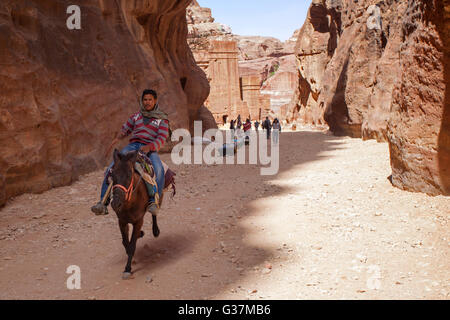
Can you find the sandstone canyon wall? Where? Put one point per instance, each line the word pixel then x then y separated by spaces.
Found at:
pixel 241 91
pixel 281 85
pixel 65 92
pixel 254 47
pixel 419 124
pixel 225 98
pixel 344 51
pixel 379 70
pixel 216 52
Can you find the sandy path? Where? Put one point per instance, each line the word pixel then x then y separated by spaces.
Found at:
pixel 328 226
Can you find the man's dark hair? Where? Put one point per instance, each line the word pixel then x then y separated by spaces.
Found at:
pixel 149 91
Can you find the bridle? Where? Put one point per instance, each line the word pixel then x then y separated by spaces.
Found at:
pixel 128 191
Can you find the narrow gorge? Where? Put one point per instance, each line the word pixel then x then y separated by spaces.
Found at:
pixel 358 206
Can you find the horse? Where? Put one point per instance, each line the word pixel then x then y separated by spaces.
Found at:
pixel 130 199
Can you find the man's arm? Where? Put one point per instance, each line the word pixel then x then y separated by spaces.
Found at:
pixel 119 136
pixel 163 133
pixel 127 128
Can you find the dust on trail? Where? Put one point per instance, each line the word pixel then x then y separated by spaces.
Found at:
pixel 328 226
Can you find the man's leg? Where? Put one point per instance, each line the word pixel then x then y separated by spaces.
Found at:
pixel 105 184
pixel 159 171
pixel 100 208
pixel 131 147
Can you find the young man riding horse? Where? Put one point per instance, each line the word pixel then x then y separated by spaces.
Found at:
pixel 149 129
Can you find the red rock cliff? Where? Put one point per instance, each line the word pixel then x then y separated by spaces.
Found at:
pixel 379 69
pixel 64 92
pixel 344 50
pixel 419 124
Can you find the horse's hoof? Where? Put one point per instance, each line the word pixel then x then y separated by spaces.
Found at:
pixel 127 276
pixel 155 232
pixel 142 234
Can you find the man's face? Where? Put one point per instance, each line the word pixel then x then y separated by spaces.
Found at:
pixel 149 102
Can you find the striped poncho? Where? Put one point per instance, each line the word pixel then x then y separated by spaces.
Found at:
pixel 149 131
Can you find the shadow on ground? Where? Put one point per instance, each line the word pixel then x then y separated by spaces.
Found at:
pixel 203 248
pixel 231 193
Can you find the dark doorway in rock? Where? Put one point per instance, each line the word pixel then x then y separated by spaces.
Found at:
pixel 224 118
pixel 183 82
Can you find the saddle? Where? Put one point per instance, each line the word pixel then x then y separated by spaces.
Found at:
pixel 144 167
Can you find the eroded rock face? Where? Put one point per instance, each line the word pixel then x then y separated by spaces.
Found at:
pixel 254 47
pixel 258 104
pixel 317 41
pixel 202 28
pixel 281 85
pixel 195 14
pixel 289 44
pixel 278 78
pixel 224 100
pixel 379 69
pixel 237 91
pixel 419 125
pixel 344 50
pixel 216 52
pixel 65 92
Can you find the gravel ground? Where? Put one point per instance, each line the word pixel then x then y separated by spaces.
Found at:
pixel 329 225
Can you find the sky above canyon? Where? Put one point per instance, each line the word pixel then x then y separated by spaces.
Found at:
pixel 270 18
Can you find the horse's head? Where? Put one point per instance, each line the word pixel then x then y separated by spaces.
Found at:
pixel 122 176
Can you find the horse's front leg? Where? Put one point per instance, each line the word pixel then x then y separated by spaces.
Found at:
pixel 132 247
pixel 124 231
pixel 155 228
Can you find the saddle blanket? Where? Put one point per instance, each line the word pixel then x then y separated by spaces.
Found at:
pixel 145 166
pixel 169 176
